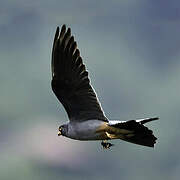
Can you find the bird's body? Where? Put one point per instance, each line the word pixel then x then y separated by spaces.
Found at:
pixel 98 130
pixel 87 130
pixel 71 85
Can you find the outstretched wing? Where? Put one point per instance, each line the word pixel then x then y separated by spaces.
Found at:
pixel 70 81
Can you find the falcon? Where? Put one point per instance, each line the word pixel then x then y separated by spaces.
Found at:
pixel 72 87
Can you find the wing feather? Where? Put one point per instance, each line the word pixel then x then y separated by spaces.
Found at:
pixel 70 81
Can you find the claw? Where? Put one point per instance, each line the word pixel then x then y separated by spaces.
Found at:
pixel 106 145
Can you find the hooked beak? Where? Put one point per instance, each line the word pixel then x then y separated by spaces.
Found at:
pixel 59 132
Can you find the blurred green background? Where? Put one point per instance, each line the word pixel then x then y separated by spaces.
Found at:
pixel 131 49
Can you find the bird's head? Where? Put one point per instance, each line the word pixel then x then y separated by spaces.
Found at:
pixel 63 130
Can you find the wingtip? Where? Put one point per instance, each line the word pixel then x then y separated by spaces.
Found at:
pixel 69 30
pixel 63 30
pixel 57 29
pixel 57 33
pixel 64 26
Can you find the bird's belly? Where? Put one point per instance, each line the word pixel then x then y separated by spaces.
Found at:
pixel 88 137
pixel 87 130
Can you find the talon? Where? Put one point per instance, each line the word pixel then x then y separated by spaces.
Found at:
pixel 106 145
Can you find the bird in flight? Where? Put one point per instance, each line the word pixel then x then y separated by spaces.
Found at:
pixel 87 121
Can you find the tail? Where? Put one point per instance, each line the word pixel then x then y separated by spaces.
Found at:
pixel 146 120
pixel 135 132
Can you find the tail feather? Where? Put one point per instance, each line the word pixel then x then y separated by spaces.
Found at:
pixel 139 134
pixel 146 120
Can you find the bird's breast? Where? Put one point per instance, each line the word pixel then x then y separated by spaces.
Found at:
pixel 87 130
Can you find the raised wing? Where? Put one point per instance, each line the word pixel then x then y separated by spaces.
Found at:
pixel 70 81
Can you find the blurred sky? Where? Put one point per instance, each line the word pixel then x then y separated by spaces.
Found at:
pixel 132 51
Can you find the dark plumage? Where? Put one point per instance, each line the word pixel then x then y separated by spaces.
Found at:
pixel 70 80
pixel 71 85
pixel 141 134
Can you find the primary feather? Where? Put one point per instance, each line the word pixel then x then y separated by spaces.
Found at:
pixel 70 81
